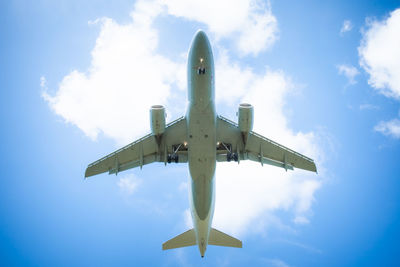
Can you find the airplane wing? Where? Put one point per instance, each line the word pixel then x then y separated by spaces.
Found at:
pixel 170 148
pixel 257 148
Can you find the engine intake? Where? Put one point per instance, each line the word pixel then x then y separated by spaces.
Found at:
pixel 245 119
pixel 157 120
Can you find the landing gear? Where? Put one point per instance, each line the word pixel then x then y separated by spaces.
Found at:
pixel 172 158
pixel 231 156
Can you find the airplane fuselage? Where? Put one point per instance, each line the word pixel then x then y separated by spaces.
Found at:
pixel 201 120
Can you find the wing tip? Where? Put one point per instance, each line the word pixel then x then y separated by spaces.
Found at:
pixel 87 174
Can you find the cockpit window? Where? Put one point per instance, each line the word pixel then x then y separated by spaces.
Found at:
pixel 201 70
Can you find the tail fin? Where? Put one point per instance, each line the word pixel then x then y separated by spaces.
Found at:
pixel 186 239
pixel 218 238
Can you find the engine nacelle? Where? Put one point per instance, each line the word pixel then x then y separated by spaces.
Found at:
pixel 157 120
pixel 245 118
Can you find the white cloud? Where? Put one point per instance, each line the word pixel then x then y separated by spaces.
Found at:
pixel 349 71
pixel 250 23
pixel 389 128
pixel 127 76
pixel 380 54
pixel 346 27
pixel 128 184
pixel 247 191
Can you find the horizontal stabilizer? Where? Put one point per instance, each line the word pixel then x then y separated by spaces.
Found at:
pixel 218 238
pixel 186 239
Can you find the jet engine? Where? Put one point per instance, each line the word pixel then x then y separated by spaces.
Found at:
pixel 157 120
pixel 245 117
pixel 245 120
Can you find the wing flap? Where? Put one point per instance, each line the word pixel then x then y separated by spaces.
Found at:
pixel 259 148
pixel 128 155
pixel 264 160
pixel 268 149
pixel 143 151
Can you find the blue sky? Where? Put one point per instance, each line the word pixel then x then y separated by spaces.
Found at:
pixel 77 80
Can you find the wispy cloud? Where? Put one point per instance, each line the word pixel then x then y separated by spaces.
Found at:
pixel 301 220
pixel 277 263
pixel 307 248
pixel 128 184
pixel 44 90
pixel 346 27
pixel 389 128
pixel 43 82
pixel 350 72
pixel 181 257
pixel 368 107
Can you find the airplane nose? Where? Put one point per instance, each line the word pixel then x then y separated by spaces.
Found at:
pixel 200 34
pixel 200 55
pixel 200 38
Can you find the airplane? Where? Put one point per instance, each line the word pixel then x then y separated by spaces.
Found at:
pixel 201 138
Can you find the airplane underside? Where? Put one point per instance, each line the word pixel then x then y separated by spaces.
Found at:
pixel 201 138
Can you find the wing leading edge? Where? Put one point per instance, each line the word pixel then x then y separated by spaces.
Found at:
pixel 257 148
pixel 145 150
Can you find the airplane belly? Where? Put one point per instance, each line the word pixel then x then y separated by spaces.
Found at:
pixel 202 192
pixel 202 160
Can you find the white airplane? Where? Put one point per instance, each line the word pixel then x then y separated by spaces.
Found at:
pixel 201 138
